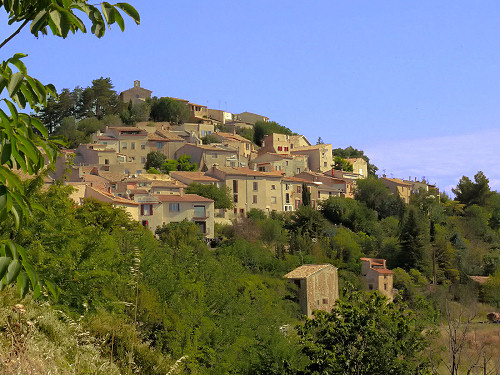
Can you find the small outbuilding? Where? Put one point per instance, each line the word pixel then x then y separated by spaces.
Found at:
pixel 377 276
pixel 318 287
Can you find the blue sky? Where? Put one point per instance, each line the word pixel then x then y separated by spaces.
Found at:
pixel 414 84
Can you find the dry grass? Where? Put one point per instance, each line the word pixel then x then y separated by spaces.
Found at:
pixel 478 342
pixel 49 346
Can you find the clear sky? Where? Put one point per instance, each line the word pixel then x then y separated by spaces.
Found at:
pixel 413 84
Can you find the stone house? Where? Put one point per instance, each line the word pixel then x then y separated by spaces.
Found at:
pixel 250 189
pixel 398 187
pixel 290 165
pixel 319 156
pixel 250 118
pixel 359 166
pixel 207 155
pixel 328 186
pixel 377 276
pixel 243 145
pixel 318 287
pixel 156 210
pixel 136 94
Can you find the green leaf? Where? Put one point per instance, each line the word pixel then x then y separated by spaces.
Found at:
pixel 130 10
pixel 15 82
pixel 39 23
pixel 13 271
pixel 37 291
pixel 30 271
pixel 22 284
pixel 52 287
pixel 119 19
pixel 4 264
pixel 108 12
pixel 5 153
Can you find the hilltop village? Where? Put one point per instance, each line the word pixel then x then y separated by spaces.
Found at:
pixel 269 177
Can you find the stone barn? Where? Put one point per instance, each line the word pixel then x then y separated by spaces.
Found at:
pixel 318 287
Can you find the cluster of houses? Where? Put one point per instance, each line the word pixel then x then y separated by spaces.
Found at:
pixel 268 178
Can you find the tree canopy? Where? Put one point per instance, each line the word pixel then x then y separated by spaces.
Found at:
pixel 169 109
pixel 263 128
pixel 220 195
pixel 477 192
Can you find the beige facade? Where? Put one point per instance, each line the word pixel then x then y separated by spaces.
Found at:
pixel 199 129
pixel 292 192
pixel 377 276
pixel 359 166
pixel 250 118
pixel 318 287
pixel 156 210
pixel 128 205
pixel 207 155
pixel 136 94
pixel 276 143
pixel 398 187
pixel 328 186
pixel 250 189
pixel 290 165
pixel 243 145
pixel 222 117
pixel 319 156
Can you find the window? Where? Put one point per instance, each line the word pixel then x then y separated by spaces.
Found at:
pixel 385 286
pixel 143 146
pixel 297 204
pixel 325 301
pixel 273 200
pixel 235 198
pixel 106 161
pixel 113 186
pixel 235 186
pixel 146 209
pixel 124 145
pixel 298 170
pixel 145 223
pixel 262 169
pixel 199 211
pixel 255 186
pixel 242 212
pixel 299 189
pixel 132 145
pixel 370 286
pixel 286 148
pixel 273 187
pixel 325 164
pixel 287 187
pixel 235 211
pixel 143 159
pixel 286 163
pixel 247 146
pixel 287 198
pixel 202 225
pixel 159 145
pixel 280 148
pixel 214 154
pixel 254 200
pixel 174 207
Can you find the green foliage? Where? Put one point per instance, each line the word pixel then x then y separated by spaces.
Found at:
pixel 135 113
pixel 341 164
pixel 306 195
pixel 169 109
pixel 263 128
pixel 155 159
pixel 306 221
pixel 220 195
pixel 350 213
pixel 491 290
pixel 256 214
pixel 469 193
pixel 351 152
pixel 377 197
pixel 209 138
pixel 364 334
pixel 414 242
pixel 23 139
